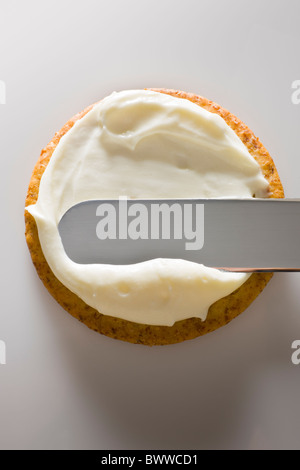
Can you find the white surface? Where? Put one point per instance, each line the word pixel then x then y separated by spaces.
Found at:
pixel 66 387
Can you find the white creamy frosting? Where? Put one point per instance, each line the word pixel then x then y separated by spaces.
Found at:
pixel 144 144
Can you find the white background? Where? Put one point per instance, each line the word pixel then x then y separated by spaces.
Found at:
pixel 64 386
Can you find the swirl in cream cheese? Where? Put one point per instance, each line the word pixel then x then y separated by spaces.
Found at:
pixel 144 144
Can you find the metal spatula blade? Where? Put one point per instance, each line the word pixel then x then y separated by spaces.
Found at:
pixel 245 235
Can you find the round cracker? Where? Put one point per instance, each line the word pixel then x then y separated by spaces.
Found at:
pixel 219 314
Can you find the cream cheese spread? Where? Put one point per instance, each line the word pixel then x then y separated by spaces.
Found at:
pixel 144 144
